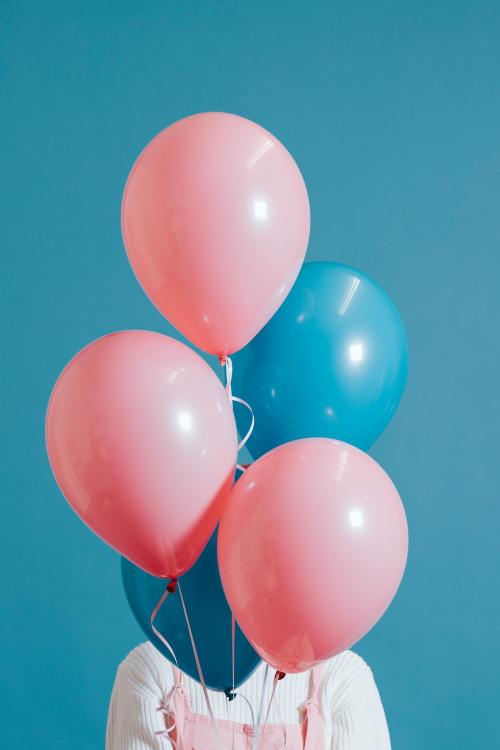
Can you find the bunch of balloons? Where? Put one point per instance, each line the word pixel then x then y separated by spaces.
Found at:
pixel 142 439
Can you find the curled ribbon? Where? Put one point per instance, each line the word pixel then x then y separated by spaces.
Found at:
pixel 227 363
pixel 165 706
pixel 169 589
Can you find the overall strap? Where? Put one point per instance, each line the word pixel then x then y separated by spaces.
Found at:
pixel 179 695
pixel 178 706
pixel 177 675
pixel 315 736
pixel 317 674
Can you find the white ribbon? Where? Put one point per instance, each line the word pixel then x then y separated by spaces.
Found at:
pixel 227 363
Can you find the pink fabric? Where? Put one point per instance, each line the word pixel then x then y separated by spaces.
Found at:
pixel 195 732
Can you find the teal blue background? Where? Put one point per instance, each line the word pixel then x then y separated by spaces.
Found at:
pixel 392 111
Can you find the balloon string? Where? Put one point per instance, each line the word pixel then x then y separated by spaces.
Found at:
pixel 165 706
pixel 277 677
pixel 227 363
pixel 261 706
pixel 200 671
pixel 231 694
pixel 244 698
pixel 280 719
pixel 169 589
pixel 233 648
pixel 253 725
pixel 228 719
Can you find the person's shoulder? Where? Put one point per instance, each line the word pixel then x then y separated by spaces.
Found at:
pixel 346 676
pixel 145 670
pixel 348 664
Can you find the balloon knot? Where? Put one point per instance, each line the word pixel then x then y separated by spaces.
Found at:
pixel 172 586
pixel 222 359
pixel 230 694
pixel 279 675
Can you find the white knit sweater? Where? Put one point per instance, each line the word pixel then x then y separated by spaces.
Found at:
pixel 350 702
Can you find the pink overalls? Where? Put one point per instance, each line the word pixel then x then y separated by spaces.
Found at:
pixel 195 731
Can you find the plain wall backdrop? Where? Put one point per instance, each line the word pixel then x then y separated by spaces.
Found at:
pixel 392 111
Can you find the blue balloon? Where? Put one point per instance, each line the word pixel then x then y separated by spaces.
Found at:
pixel 332 362
pixel 209 615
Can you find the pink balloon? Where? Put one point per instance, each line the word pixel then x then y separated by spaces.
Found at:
pixel 312 548
pixel 142 442
pixel 215 219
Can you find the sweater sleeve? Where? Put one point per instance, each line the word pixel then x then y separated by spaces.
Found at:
pixel 355 709
pixel 141 684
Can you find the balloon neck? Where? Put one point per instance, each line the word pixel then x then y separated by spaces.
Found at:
pixel 222 359
pixel 172 586
pixel 279 675
pixel 230 694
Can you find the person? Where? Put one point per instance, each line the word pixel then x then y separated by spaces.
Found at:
pixel 334 706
